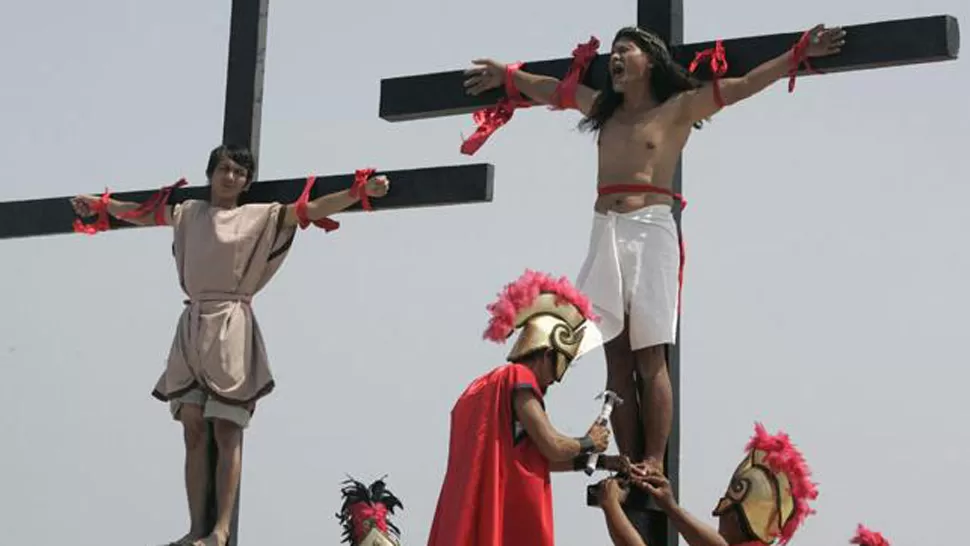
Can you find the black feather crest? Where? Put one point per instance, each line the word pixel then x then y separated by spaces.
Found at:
pixel 354 491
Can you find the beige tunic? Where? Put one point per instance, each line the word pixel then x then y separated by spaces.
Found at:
pixel 223 257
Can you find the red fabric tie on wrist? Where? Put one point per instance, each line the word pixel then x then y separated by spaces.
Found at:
pixel 156 203
pixel 718 64
pixel 490 119
pixel 510 89
pixel 565 95
pixel 799 55
pixel 359 187
pixel 102 223
pixel 300 208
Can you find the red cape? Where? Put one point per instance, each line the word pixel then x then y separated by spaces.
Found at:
pixel 496 491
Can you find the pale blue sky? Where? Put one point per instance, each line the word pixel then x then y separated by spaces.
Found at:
pixel 825 293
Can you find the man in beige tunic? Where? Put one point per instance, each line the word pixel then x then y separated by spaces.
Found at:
pixel 217 366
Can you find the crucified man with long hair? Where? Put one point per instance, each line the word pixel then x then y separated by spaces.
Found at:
pixel 634 266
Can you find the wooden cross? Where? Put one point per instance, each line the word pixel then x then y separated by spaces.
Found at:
pixel 870 45
pixel 435 186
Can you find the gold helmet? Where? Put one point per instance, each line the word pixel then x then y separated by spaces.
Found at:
pixel 552 314
pixel 364 514
pixel 770 489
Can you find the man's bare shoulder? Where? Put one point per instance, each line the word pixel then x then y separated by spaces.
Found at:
pixel 676 105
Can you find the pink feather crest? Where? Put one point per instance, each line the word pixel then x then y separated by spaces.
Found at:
pixel 867 537
pixel 520 294
pixel 782 456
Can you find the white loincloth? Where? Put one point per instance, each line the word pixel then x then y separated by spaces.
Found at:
pixel 633 268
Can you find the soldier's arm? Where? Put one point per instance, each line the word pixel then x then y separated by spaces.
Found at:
pixel 694 531
pixel 622 532
pixel 557 448
pixel 612 463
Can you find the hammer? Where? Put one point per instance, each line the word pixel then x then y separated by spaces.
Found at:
pixel 610 400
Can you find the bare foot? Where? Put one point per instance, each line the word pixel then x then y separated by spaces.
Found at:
pixel 217 538
pixel 654 466
pixel 186 540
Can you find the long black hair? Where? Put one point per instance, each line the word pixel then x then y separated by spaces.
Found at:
pixel 667 78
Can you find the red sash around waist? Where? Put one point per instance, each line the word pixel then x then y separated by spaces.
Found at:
pixel 640 188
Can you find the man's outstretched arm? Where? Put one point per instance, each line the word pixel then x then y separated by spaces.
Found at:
pixel 85 205
pixel 611 463
pixel 332 203
pixel 489 74
pixel 559 449
pixel 702 103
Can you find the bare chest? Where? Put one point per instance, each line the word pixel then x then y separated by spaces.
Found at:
pixel 642 137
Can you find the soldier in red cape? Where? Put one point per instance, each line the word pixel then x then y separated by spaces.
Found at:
pixel 496 490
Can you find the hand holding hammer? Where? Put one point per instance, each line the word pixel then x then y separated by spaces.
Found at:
pixel 610 400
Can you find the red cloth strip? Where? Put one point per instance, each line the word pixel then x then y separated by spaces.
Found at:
pixel 490 119
pixel 156 203
pixel 640 188
pixel 359 188
pixel 102 223
pixel 649 188
pixel 565 95
pixel 511 91
pixel 718 64
pixel 798 56
pixel 300 208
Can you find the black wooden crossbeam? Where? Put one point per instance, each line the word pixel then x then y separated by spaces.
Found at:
pixel 871 45
pixel 424 187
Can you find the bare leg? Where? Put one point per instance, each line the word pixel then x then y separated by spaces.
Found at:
pixel 194 432
pixel 620 378
pixel 657 403
pixel 228 470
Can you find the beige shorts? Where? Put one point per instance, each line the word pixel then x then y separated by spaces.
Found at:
pixel 212 408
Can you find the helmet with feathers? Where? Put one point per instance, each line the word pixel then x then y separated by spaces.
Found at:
pixel 551 314
pixel 364 514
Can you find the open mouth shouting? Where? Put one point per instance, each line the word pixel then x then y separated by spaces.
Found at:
pixel 617 70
